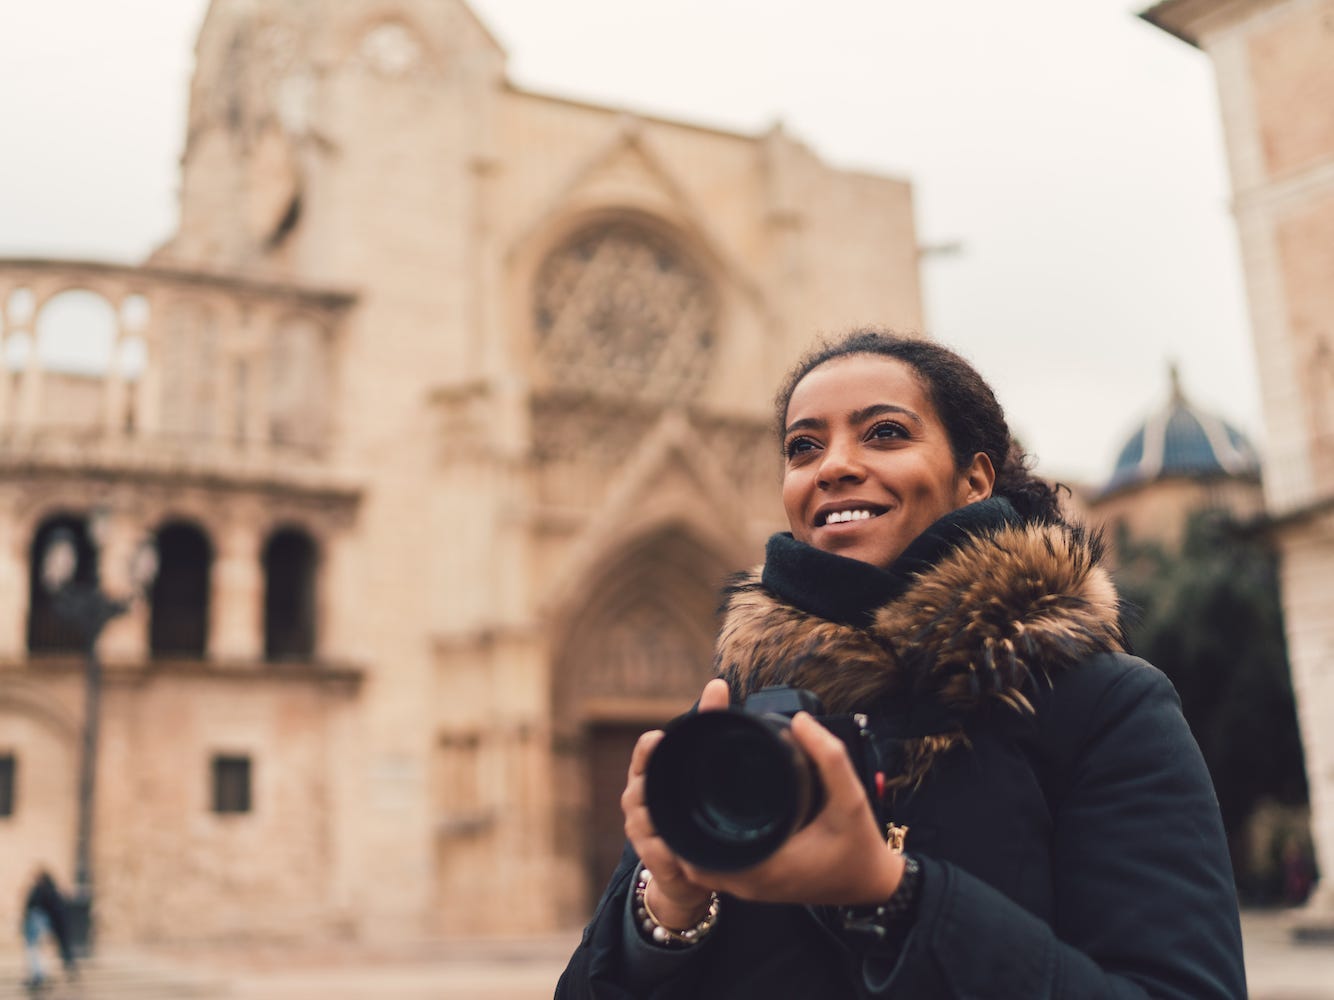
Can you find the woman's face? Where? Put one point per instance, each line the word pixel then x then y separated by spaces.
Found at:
pixel 868 462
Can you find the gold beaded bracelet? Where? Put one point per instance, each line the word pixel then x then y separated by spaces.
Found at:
pixel 658 932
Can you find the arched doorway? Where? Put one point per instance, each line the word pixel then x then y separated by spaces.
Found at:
pixel 47 631
pixel 179 602
pixel 289 596
pixel 634 655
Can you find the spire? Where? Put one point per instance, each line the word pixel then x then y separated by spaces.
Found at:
pixel 1178 397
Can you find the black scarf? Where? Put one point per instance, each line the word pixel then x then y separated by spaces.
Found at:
pixel 849 592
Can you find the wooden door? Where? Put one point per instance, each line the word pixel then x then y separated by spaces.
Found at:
pixel 609 746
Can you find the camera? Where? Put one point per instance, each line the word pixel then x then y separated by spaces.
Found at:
pixel 726 789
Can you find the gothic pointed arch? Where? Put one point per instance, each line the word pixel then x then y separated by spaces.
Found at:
pixel 635 651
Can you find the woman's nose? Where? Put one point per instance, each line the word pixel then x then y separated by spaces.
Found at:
pixel 840 463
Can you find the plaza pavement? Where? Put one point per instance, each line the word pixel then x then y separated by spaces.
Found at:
pixel 1278 968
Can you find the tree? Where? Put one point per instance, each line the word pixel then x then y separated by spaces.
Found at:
pixel 1208 615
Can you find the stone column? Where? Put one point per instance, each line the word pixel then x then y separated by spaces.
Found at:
pixel 115 387
pixel 236 632
pixel 125 640
pixel 147 387
pixel 30 381
pixel 14 555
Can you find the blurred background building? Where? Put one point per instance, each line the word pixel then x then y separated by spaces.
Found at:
pixel 1182 510
pixel 447 409
pixel 1274 61
pixel 1179 461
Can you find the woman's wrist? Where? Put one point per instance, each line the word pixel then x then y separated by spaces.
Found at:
pixel 886 877
pixel 663 929
pixel 897 912
pixel 674 913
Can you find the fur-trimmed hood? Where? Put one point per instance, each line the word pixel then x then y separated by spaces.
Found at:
pixel 997 612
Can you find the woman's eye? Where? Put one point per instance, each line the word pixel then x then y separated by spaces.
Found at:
pixel 798 446
pixel 888 430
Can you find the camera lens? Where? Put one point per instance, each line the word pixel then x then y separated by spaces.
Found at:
pixel 738 797
pixel 726 789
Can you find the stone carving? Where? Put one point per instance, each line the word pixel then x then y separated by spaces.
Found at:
pixel 190 360
pixel 748 452
pixel 621 311
pixel 298 384
pixel 578 443
pixel 647 652
pixel 391 49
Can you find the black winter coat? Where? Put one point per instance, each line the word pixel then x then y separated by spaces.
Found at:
pixel 1067 830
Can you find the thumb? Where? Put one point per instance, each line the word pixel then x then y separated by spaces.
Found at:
pixel 830 757
pixel 715 696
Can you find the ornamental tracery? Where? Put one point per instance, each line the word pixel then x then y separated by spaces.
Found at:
pixel 622 310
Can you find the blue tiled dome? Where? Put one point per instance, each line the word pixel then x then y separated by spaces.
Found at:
pixel 1182 440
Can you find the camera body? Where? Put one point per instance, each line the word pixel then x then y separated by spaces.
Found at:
pixel 726 789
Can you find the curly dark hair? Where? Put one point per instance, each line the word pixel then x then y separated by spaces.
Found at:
pixel 973 419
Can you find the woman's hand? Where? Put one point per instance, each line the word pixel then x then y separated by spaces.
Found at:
pixel 839 858
pixel 674 897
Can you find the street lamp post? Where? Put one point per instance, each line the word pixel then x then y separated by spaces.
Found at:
pixel 84 606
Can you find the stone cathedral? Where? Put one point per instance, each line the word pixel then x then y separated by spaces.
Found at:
pixel 446 410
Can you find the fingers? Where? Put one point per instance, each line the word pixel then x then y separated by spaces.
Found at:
pixel 644 747
pixel 715 696
pixel 842 786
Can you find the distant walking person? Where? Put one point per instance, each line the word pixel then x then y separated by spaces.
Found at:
pixel 44 913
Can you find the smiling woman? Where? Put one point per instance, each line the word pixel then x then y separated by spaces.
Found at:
pixel 868 461
pixel 1027 814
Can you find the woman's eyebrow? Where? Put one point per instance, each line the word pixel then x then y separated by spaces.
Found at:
pixel 856 417
pixel 880 409
pixel 805 424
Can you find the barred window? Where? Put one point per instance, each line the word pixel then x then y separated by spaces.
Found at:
pixel 231 784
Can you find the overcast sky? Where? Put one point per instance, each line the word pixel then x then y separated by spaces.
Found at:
pixel 1073 151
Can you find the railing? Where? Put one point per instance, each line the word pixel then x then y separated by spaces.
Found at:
pixel 153 366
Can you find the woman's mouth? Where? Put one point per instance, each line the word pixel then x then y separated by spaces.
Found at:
pixel 847 515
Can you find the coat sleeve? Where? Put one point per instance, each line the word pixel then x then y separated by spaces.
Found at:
pixel 599 970
pixel 1145 904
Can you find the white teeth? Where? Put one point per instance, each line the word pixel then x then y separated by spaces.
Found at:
pixel 839 516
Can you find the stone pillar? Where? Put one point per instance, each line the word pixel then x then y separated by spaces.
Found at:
pixel 147 387
pixel 30 383
pixel 236 632
pixel 14 555
pixel 254 412
pixel 114 385
pixel 125 640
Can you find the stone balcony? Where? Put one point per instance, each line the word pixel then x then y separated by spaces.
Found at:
pixel 161 371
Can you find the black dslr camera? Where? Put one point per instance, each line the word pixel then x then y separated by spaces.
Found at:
pixel 725 789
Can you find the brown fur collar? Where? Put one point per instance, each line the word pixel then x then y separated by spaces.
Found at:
pixel 999 613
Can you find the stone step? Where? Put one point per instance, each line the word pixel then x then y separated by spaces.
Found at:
pixel 101 979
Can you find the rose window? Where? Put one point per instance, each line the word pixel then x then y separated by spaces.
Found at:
pixel 622 310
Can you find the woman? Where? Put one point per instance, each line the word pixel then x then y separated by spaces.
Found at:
pixel 1052 831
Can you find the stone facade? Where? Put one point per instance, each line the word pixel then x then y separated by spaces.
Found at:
pixel 500 365
pixel 1274 61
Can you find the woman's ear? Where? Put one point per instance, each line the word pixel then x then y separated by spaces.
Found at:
pixel 977 480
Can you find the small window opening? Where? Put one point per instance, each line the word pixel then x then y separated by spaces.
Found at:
pixel 231 784
pixel 8 771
